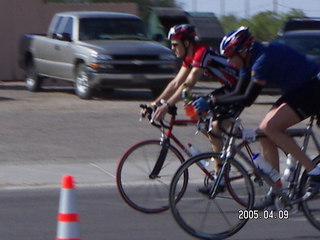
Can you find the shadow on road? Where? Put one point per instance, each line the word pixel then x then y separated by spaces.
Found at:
pixel 51 86
pixel 102 94
pixel 124 95
pixel 12 86
pixel 6 99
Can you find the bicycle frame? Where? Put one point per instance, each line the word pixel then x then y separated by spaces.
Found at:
pixel 230 150
pixel 167 131
pixel 307 134
pixel 166 135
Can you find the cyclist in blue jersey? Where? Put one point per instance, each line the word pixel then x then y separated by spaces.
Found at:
pixel 299 79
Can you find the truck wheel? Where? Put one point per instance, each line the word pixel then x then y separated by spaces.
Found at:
pixel 33 80
pixel 82 86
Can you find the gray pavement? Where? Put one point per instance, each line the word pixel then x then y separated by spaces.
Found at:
pixel 94 170
pixel 50 175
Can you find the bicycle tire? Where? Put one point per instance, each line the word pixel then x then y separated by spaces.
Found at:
pixel 206 218
pixel 136 187
pixel 310 207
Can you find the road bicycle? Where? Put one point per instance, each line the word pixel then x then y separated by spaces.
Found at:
pixel 218 214
pixel 145 170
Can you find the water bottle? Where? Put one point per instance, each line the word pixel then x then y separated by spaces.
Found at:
pixel 188 107
pixel 265 167
pixel 186 94
pixel 290 167
pixel 195 151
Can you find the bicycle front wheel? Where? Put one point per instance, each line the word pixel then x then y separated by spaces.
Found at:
pixel 311 207
pixel 139 185
pixel 206 215
pixel 242 155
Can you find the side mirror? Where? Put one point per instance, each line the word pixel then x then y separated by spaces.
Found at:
pixel 158 37
pixel 63 36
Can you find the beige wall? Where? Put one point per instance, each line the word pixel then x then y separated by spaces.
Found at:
pixel 18 17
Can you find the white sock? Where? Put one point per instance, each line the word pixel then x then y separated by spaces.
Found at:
pixel 315 171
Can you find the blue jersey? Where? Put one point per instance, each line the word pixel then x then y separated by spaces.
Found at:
pixel 279 64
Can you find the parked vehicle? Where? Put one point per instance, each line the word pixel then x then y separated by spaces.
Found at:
pixel 304 41
pixel 208 27
pixel 296 24
pixel 96 50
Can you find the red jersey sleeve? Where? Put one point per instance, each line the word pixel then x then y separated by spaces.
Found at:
pixel 197 58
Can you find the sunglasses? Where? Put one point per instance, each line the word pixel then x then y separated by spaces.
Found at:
pixel 174 44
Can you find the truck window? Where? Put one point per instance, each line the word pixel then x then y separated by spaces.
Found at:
pixel 64 24
pixel 63 30
pixel 108 28
pixel 69 26
pixel 54 28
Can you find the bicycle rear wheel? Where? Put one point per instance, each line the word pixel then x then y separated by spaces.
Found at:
pixel 311 208
pixel 141 189
pixel 210 217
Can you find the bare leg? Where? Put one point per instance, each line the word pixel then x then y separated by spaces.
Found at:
pixel 270 152
pixel 274 125
pixel 216 142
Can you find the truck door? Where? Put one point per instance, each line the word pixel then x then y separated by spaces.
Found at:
pixel 43 50
pixel 62 52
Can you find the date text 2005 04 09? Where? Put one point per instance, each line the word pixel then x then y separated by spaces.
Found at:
pixel 265 214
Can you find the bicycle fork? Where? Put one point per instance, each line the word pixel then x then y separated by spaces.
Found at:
pixel 160 161
pixel 226 156
pixel 215 187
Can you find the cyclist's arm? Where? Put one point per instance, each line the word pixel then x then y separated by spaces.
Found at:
pixel 243 96
pixel 172 87
pixel 192 78
pixel 240 88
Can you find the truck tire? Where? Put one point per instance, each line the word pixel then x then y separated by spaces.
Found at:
pixel 81 83
pixel 33 80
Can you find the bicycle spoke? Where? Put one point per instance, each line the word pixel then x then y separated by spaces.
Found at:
pixel 223 214
pixel 204 216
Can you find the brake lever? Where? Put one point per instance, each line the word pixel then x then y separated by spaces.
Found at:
pixel 201 125
pixel 145 112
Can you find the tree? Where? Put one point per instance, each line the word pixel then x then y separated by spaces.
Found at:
pixel 229 22
pixel 265 26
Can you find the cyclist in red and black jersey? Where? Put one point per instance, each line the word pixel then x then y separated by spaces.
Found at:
pixel 198 60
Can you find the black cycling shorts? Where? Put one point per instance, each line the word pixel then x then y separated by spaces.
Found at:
pixel 305 101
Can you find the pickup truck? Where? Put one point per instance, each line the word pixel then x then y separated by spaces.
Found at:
pixel 96 50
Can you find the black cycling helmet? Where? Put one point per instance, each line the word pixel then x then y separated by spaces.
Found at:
pixel 182 32
pixel 236 41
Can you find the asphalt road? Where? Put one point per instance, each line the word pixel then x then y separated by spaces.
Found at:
pixel 32 214
pixel 51 133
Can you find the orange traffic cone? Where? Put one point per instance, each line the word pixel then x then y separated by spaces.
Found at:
pixel 68 217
